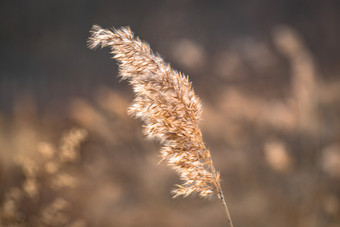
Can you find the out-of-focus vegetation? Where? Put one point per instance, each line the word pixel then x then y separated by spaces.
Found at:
pixel 268 78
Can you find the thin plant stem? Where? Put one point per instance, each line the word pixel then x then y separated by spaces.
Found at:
pixel 226 208
pixel 220 194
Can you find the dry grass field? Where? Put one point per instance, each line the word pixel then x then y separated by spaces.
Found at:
pixel 271 119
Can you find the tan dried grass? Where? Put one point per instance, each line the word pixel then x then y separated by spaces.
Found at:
pixel 44 164
pixel 168 108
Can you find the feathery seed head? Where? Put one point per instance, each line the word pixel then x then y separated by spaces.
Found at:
pixel 167 106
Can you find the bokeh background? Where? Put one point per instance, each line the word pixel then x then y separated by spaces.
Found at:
pixel 268 75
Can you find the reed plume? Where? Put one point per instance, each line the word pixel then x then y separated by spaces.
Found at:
pixel 168 108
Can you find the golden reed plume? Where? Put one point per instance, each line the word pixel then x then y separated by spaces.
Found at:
pixel 168 107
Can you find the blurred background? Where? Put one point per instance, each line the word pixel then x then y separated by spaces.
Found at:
pixel 268 75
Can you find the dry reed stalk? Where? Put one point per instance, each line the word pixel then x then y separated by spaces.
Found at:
pixel 169 109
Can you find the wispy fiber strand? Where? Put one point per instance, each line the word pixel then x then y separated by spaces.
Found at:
pixel 168 108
